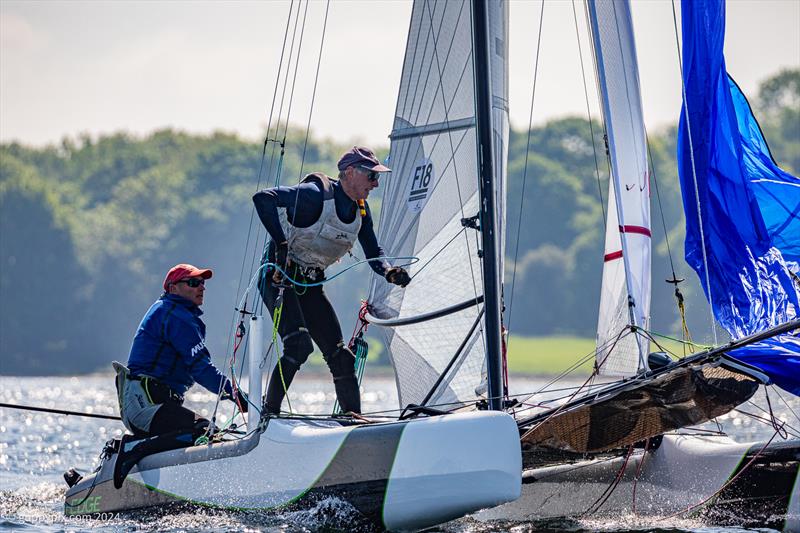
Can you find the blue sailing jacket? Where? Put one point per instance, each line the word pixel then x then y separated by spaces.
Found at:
pixel 170 346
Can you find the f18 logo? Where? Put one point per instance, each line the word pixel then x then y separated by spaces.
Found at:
pixel 421 181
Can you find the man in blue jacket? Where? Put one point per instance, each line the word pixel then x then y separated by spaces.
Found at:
pixel 168 356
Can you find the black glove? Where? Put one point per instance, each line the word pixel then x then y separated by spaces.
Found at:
pixel 282 260
pixel 242 401
pixel 398 276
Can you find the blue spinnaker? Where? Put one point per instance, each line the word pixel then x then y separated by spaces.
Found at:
pixel 749 208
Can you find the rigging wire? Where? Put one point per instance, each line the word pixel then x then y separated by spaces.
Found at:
pixel 242 307
pixel 277 138
pixel 525 171
pixel 791 410
pixel 260 171
pixel 558 409
pixel 583 359
pixel 603 498
pixel 314 92
pixel 589 114
pixel 786 429
pixel 291 102
pixel 694 176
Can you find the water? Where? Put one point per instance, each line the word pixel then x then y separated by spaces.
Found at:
pixel 36 448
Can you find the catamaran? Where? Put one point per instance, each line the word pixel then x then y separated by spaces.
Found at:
pixel 628 446
pixel 407 473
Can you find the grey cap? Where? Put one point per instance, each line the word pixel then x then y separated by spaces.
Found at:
pixel 359 156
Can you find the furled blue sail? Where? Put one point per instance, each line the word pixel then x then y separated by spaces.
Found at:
pixel 749 221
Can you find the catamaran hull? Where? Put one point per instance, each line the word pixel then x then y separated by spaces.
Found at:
pixel 682 472
pixel 398 475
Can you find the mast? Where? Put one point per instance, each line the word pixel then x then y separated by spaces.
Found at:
pixel 488 209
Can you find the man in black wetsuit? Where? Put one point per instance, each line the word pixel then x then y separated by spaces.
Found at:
pixel 312 225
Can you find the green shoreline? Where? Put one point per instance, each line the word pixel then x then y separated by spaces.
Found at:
pixel 527 357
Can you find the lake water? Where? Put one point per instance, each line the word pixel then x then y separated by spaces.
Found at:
pixel 36 448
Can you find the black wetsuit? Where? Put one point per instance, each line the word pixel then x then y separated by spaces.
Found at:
pixel 307 313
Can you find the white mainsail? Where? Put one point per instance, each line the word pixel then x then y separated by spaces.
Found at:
pixel 625 294
pixel 433 186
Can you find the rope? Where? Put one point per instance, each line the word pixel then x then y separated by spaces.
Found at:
pixel 638 473
pixel 276 320
pixel 675 280
pixel 603 498
pixel 694 176
pixel 298 283
pixel 681 341
pixel 57 411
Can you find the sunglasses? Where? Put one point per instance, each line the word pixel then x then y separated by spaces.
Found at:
pixel 193 282
pixel 371 174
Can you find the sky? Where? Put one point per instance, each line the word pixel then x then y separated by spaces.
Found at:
pixel 97 67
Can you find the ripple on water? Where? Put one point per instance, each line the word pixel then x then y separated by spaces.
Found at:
pixel 36 448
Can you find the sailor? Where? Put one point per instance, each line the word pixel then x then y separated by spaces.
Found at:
pixel 312 225
pixel 167 357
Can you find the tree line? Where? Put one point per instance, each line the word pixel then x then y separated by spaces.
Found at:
pixel 88 229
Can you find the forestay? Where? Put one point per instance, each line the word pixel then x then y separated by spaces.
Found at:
pixel 625 295
pixel 433 186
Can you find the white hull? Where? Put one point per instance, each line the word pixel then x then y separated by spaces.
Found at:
pixel 682 472
pixel 400 475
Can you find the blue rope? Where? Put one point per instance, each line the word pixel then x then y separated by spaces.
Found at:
pixel 411 261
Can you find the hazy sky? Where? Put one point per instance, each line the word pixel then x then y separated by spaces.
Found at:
pixel 68 67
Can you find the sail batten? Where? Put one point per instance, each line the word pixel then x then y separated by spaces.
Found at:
pixel 625 293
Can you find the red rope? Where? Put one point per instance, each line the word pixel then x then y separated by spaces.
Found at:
pixel 503 336
pixel 601 501
pixel 362 324
pixel 638 473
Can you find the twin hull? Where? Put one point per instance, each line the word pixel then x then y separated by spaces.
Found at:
pixel 399 475
pixel 740 484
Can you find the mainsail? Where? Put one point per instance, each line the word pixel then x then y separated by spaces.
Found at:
pixel 742 210
pixel 625 293
pixel 430 199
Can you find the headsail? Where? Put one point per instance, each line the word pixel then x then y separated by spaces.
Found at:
pixel 742 211
pixel 434 185
pixel 625 294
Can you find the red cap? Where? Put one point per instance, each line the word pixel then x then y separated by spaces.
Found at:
pixel 183 271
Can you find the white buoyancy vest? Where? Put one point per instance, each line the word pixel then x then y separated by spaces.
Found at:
pixel 328 239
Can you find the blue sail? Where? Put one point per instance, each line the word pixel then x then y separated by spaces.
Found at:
pixel 749 221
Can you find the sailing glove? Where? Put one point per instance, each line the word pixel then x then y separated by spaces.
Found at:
pixel 398 276
pixel 242 401
pixel 282 260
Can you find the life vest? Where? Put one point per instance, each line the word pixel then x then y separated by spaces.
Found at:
pixel 328 239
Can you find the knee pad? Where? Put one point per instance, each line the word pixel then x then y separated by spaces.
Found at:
pixel 342 362
pixel 297 346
